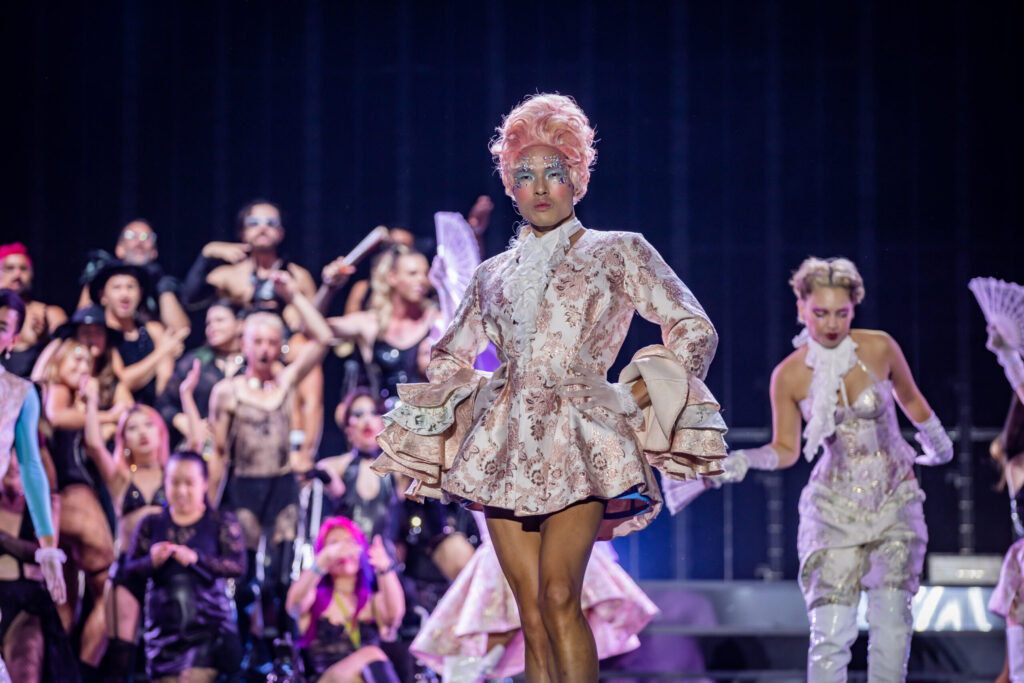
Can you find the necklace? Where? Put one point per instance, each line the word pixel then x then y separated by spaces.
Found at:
pixel 350 623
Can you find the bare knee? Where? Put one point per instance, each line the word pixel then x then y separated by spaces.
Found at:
pixel 559 601
pixel 531 621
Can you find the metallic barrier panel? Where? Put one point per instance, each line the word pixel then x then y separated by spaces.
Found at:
pixel 964 570
pixel 777 608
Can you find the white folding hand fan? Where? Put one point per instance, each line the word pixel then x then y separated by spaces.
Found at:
pixel 1003 305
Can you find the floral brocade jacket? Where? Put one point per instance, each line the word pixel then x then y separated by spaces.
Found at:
pixel 511 440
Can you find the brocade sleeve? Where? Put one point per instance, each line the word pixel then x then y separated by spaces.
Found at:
pixel 464 339
pixel 661 297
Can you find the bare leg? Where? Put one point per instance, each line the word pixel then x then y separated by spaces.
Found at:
pixel 23 649
pixel 496 639
pixel 191 676
pixel 518 553
pixel 122 623
pixel 84 525
pixel 349 670
pixel 567 537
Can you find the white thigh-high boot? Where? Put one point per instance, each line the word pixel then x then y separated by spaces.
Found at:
pixel 890 626
pixel 833 630
pixel 1015 652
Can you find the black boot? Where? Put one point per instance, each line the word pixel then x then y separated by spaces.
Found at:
pixel 380 672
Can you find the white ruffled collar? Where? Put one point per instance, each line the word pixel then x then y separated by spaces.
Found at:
pixel 537 259
pixel 830 366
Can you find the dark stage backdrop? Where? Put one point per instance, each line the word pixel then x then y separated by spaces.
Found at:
pixel 738 136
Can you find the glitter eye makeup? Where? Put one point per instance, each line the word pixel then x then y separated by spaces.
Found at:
pixel 554 169
pixel 523 174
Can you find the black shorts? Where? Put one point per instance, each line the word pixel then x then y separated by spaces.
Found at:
pixel 135 585
pixel 264 497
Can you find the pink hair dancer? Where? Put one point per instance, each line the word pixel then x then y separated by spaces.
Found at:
pixel 554 454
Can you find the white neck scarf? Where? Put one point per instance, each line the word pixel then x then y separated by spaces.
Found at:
pixel 538 256
pixel 830 366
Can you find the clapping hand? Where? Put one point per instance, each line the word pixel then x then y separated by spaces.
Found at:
pixel 379 557
pixel 188 384
pixel 160 552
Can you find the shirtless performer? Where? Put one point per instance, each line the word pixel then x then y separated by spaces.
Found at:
pixel 242 273
pixel 250 421
pixel 16 274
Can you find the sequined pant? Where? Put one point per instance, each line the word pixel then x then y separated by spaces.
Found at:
pixel 845 549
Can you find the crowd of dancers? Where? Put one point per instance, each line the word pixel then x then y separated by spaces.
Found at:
pixel 169 513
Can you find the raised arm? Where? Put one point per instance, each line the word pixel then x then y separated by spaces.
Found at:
pixel 389 600
pixel 106 462
pixel 312 354
pixel 196 428
pixel 332 278
pixel 661 297
pixel 222 405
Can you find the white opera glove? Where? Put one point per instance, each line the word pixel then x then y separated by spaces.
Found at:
pixel 1007 357
pixel 51 561
pixel 735 466
pixel 596 391
pixel 938 449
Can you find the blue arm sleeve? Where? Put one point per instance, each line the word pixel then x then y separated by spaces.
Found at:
pixel 33 476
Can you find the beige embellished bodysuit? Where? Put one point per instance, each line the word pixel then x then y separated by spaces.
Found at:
pixel 861 519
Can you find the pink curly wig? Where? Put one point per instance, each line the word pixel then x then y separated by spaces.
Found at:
pixel 546 119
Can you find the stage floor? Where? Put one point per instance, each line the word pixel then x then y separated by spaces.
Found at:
pixel 725 631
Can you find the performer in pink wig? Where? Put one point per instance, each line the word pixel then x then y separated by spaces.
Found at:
pixel 554 454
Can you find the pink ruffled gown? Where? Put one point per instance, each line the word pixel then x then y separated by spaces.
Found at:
pixel 480 602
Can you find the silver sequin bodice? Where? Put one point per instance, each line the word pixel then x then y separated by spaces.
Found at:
pixel 866 458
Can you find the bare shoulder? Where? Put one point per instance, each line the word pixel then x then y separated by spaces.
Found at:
pixel 792 373
pixel 873 345
pixel 222 396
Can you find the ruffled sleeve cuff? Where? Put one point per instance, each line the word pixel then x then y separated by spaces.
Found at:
pixel 422 435
pixel 683 432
